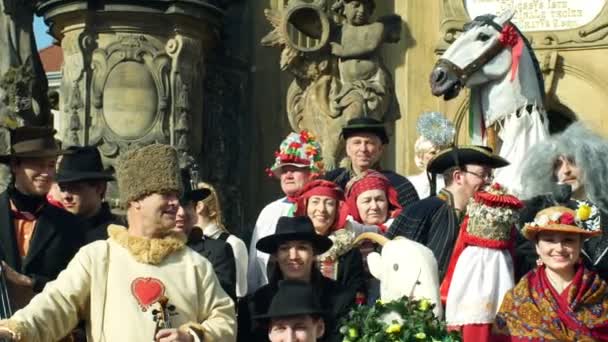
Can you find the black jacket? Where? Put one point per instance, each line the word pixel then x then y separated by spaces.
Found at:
pixel 351 272
pixel 406 193
pixel 220 255
pixel 335 299
pixel 98 224
pixel 57 238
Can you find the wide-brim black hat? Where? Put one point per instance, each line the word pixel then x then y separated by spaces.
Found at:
pixel 82 164
pixel 465 155
pixel 293 229
pixel 293 298
pixel 365 125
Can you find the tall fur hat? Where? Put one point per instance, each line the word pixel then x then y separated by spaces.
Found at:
pixel 146 170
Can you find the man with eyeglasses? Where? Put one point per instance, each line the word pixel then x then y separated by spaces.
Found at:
pixel 435 221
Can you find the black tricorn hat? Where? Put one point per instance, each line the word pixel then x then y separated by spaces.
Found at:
pixel 32 142
pixel 293 298
pixel 191 193
pixel 80 164
pixel 365 125
pixel 464 155
pixel 291 229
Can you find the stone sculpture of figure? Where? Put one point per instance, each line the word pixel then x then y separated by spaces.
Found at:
pixel 365 87
pixel 342 77
pixel 22 78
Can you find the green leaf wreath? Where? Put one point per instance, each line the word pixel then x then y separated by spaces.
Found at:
pixel 404 319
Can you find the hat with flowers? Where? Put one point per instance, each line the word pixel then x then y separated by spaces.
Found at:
pixel 299 150
pixel 566 220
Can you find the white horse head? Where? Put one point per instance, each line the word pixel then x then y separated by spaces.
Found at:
pixel 495 60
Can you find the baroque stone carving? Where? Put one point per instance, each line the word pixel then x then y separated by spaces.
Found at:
pixel 23 84
pixel 593 34
pixel 129 92
pixel 337 64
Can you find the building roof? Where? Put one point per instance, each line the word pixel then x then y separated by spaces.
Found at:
pixel 52 58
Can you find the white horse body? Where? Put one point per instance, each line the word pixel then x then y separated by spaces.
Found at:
pixel 515 105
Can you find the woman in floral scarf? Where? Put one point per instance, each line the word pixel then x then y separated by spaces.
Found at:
pixel 560 299
pixel 321 200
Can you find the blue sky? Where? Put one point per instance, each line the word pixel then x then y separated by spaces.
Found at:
pixel 42 38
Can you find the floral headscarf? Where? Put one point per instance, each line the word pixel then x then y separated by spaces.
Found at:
pixel 321 188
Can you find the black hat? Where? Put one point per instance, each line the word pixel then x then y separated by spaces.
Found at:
pixel 464 155
pixel 293 298
pixel 31 142
pixel 82 163
pixel 365 125
pixel 191 193
pixel 294 228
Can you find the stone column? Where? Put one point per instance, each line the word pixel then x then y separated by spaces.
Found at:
pixel 133 71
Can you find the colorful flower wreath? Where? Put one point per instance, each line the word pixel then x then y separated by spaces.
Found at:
pixel 301 150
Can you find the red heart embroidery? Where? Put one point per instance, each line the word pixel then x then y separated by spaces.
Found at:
pixel 147 291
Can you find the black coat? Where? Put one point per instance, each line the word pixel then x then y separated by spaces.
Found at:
pixel 98 224
pixel 57 237
pixel 406 192
pixel 220 255
pixel 351 272
pixel 335 300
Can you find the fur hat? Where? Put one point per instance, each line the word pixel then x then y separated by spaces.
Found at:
pixel 146 170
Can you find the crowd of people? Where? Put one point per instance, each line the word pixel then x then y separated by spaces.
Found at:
pixel 525 268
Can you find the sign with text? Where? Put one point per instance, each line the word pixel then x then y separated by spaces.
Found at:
pixel 540 15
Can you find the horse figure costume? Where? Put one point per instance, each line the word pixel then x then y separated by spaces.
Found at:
pixel 494 60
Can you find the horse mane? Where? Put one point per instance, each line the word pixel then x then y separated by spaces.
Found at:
pixel 488 19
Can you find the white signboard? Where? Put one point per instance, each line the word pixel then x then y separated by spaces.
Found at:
pixel 540 15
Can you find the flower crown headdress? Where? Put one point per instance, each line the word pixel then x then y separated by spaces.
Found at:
pixel 300 150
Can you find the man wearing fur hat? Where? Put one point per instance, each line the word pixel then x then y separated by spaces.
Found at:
pixel 435 221
pixel 37 240
pixel 143 283
pixel 297 162
pixel 575 158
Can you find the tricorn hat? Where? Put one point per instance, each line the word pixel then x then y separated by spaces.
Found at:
pixel 147 170
pixel 293 298
pixel 32 142
pixel 291 229
pixel 365 125
pixel 464 155
pixel 191 192
pixel 80 164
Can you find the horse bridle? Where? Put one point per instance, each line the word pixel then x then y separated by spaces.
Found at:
pixel 463 74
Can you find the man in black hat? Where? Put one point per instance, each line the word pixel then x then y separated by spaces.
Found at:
pixel 365 139
pixel 218 252
pixel 82 183
pixel 295 246
pixel 295 314
pixel 435 221
pixel 37 240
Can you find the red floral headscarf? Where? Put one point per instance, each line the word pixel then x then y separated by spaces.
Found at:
pixel 321 187
pixel 370 180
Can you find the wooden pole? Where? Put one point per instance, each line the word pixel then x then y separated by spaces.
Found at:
pixel 492 135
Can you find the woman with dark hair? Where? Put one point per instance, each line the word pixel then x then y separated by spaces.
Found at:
pixel 560 300
pixel 295 246
pixel 321 200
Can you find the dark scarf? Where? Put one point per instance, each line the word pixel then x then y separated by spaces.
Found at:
pixel 25 204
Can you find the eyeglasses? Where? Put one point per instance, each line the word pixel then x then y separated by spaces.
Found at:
pixel 486 178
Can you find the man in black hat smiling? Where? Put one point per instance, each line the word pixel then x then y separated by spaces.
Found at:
pixel 295 246
pixel 295 314
pixel 435 221
pixel 82 183
pixel 37 240
pixel 365 139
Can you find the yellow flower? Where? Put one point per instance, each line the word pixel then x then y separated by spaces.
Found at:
pixel 420 336
pixel 393 328
pixel 379 301
pixel 424 305
pixel 353 333
pixel 583 212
